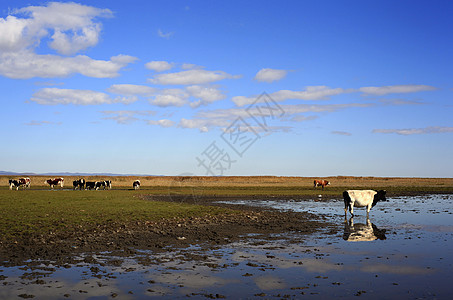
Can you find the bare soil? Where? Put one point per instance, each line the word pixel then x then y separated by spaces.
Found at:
pixel 125 239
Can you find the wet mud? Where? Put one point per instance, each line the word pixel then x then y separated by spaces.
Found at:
pixel 158 236
pixel 272 249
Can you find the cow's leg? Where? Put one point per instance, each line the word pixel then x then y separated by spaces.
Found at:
pixel 347 202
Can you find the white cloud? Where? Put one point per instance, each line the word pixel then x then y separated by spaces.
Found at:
pixel 11 34
pixel 396 89
pixel 411 131
pixel 187 66
pixel 25 64
pixel 131 92
pixel 201 124
pixel 400 102
pixel 171 97
pixel 165 35
pixel 190 77
pixel 341 133
pixel 302 118
pixel 69 27
pixel 159 66
pixel 310 93
pixel 54 96
pixel 40 123
pixel 324 93
pixel 131 89
pixel 163 123
pixel 204 94
pixel 318 108
pixel 125 116
pixel 270 75
pixel 206 120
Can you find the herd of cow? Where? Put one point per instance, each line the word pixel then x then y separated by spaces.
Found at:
pixel 352 198
pixel 79 184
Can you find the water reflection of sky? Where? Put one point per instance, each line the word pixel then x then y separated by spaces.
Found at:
pixel 413 261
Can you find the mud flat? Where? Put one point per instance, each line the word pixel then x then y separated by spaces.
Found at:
pixel 251 246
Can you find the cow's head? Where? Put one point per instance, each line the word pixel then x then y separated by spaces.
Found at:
pixel 380 196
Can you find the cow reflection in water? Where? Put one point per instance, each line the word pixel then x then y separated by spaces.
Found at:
pixel 362 232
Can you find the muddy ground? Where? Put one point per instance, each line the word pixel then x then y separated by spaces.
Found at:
pixel 124 239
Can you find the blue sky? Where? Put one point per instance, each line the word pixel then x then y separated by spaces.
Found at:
pixel 293 88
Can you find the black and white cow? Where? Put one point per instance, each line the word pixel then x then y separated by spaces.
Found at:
pixel 362 198
pixel 23 181
pixel 104 184
pixel 55 181
pixel 136 184
pixel 100 184
pixel 13 183
pixel 79 184
pixel 90 185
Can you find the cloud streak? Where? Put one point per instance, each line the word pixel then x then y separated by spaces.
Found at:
pixel 222 118
pixel 191 77
pixel 125 116
pixel 396 89
pixel 270 75
pixel 40 123
pixel 315 93
pixel 55 96
pixel 310 93
pixel 159 66
pixel 412 131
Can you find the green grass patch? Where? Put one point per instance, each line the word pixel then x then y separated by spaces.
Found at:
pixel 34 212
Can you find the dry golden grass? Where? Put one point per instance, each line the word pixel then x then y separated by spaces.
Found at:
pixel 246 181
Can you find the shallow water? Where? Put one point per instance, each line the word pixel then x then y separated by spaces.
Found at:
pixel 403 251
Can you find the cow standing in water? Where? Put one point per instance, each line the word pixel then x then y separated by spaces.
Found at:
pixel 362 198
pixel 55 181
pixel 136 184
pixel 321 183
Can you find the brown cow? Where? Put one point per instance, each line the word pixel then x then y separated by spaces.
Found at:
pixel 321 183
pixel 55 181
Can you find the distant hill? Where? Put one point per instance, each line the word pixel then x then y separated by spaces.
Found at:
pixel 69 174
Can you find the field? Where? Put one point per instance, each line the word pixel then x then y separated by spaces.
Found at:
pixel 38 222
pixel 258 185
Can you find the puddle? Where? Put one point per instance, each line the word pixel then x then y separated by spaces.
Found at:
pixel 402 251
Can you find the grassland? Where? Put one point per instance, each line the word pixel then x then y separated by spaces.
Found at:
pixel 38 212
pixel 273 185
pixel 34 221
